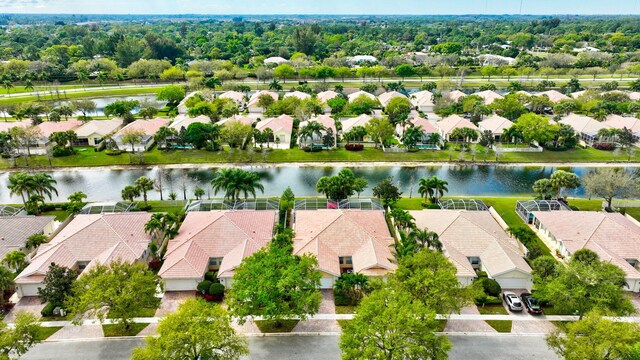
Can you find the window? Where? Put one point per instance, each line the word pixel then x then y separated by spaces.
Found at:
pixel 82 265
pixel 474 260
pixel 632 262
pixel 345 260
pixel 215 261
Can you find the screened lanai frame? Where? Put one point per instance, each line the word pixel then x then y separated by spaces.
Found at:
pixel 525 208
pixel 463 204
pixel 221 204
pixel 7 210
pixel 107 207
pixel 320 204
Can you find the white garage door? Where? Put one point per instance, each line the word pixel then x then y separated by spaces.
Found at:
pixel 326 283
pixel 513 283
pixel 180 284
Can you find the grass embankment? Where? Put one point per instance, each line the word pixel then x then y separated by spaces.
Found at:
pixel 268 326
pixel 345 309
pixel 87 157
pixel 111 330
pixel 501 326
pixel 45 332
pixel 89 93
pixel 492 310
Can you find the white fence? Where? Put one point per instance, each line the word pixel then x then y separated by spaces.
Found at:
pixel 517 149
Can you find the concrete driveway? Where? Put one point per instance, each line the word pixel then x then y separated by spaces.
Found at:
pixel 465 326
pixel 170 301
pixel 27 303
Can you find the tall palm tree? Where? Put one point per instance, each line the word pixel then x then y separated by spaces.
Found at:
pixel 439 187
pixel 144 184
pixel 404 246
pixel 427 238
pixel 6 282
pixel 45 185
pixel 15 260
pixel 425 188
pixel 312 128
pixel 412 136
pixel 236 182
pixel 22 184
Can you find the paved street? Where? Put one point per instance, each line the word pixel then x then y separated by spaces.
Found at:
pixel 477 347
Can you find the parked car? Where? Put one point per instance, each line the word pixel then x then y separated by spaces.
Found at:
pixel 512 300
pixel 531 304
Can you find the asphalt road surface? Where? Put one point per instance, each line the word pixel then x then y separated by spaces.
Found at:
pixel 465 347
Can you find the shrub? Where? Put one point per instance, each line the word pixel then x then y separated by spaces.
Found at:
pixel 606 147
pixel 430 206
pixel 491 287
pixel 487 300
pixel 211 276
pixel 62 151
pixel 354 147
pixel 113 152
pixel 341 299
pixel 203 286
pixel 311 149
pixel 216 289
pixel 482 274
pixel 5 155
pixel 144 207
pixel 48 310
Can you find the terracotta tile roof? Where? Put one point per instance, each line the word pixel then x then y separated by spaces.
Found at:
pixel 99 127
pixel 386 97
pixel 14 231
pixel 620 122
pixel 448 124
pixel 255 98
pixel 326 120
pixel 359 93
pixel 183 121
pixel 422 98
pixel 325 96
pixel 237 118
pixel 455 95
pixel 360 120
pixel 148 127
pixel 489 96
pixel 427 126
pixel 298 94
pixel 7 125
pixel 583 124
pixel 496 124
pixel 611 235
pixel 329 234
pixel 231 235
pixel 49 127
pixel 554 95
pixel 89 236
pixel 474 233
pixel 280 124
pixel 236 96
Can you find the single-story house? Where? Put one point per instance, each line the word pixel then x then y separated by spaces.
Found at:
pixel 620 122
pixel 236 96
pixel 359 93
pixel 355 60
pixel 215 240
pixel 360 120
pixel 147 127
pixel 584 126
pixel 88 239
pixel 298 94
pixel 554 95
pixel 428 128
pixel 275 60
pixel 452 122
pixel 182 106
pixel 282 128
pixel 489 96
pixel 495 60
pixel 14 231
pixel 8 125
pixel 92 132
pixel 384 98
pixel 324 97
pixel 237 118
pixel 47 128
pixel 455 95
pixel 577 94
pixel 183 121
pixel 252 105
pixel 496 124
pixel 325 120
pixel 356 241
pixel 475 241
pixel 423 101
pixel 613 236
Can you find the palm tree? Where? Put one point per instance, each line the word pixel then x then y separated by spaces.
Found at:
pixel 425 188
pixel 45 185
pixel 235 182
pixel 412 136
pixel 427 238
pixel 28 85
pixel 268 135
pixel 164 224
pixel 15 260
pixel 6 282
pixel 35 240
pixel 21 184
pixel 312 128
pixel 275 85
pixel 405 246
pixel 130 192
pixel 144 184
pixel 439 187
pixel 402 219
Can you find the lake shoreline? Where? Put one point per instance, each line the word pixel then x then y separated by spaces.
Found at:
pixel 216 165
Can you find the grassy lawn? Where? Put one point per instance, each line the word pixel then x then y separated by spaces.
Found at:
pixel 267 326
pixel 89 93
pixel 492 310
pixel 111 330
pixel 45 332
pixel 61 215
pixel 56 318
pixel 501 326
pixel 441 325
pixel 633 212
pixel 345 309
pixel 343 323
pixel 561 325
pixel 165 205
pixel 88 157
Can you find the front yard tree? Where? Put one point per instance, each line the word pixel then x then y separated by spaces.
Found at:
pixel 585 284
pixel 119 289
pixel 595 337
pixel 379 130
pixel 132 137
pixel 390 325
pixel 610 183
pixel 58 283
pixel 275 284
pixel 16 341
pixel 196 331
pixel 536 128
pixel 398 110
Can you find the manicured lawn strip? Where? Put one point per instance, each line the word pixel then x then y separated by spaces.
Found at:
pixel 61 215
pixel 441 325
pixel 345 309
pixel 45 332
pixel 111 330
pixel 343 323
pixel 56 318
pixel 492 310
pixel 88 157
pixel 561 325
pixel 165 205
pixel 80 94
pixel 266 326
pixel 501 326
pixel 633 212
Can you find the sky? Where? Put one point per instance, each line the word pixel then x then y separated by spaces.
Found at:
pixel 357 7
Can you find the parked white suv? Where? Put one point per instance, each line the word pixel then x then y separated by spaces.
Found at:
pixel 512 300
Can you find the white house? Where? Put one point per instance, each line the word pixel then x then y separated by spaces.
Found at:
pixel 236 96
pixel 359 93
pixel 384 98
pixel 489 96
pixel 252 105
pixel 147 128
pixel 282 128
pixel 423 101
pixel 450 123
pixel 326 121
pixel 496 124
pixel 584 126
pixel 92 132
